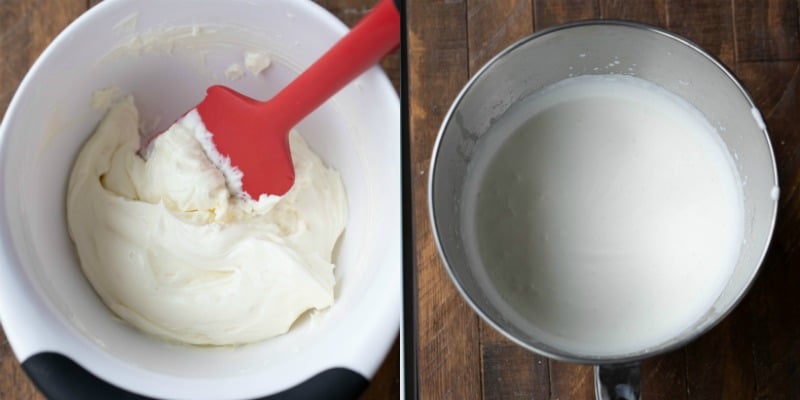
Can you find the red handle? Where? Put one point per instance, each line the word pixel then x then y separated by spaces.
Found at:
pixel 375 36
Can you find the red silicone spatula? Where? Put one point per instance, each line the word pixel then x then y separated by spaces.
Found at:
pixel 255 134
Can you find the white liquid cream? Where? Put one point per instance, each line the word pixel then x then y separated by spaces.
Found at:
pixel 607 212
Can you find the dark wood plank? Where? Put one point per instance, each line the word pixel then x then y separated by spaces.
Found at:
pixel 767 30
pixel 26 28
pixel 510 371
pixel 719 365
pixel 448 348
pixel 709 23
pixel 775 315
pixel 653 12
pixel 664 378
pixel 571 381
pixel 495 24
pixel 553 12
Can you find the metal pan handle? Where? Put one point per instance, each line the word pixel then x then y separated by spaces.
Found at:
pixel 618 381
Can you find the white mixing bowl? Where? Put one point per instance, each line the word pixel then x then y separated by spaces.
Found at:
pixel 166 54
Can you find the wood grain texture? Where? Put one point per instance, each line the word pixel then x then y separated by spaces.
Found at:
pixel 511 372
pixel 719 365
pixel 553 12
pixel 755 352
pixel 570 381
pixel 26 28
pixel 775 317
pixel 664 377
pixel 653 12
pixel 492 25
pixel 767 30
pixel 708 22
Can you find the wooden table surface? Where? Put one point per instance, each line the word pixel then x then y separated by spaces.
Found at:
pixel 26 28
pixel 755 352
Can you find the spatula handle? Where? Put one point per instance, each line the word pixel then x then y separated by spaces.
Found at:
pixel 375 36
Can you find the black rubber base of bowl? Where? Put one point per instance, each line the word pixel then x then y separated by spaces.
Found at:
pixel 60 378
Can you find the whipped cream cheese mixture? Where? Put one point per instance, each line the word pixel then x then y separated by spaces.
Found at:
pixel 170 249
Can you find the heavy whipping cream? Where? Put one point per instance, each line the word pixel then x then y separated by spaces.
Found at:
pixel 171 250
pixel 607 213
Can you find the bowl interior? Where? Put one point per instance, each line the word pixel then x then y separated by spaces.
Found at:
pixel 165 57
pixel 599 48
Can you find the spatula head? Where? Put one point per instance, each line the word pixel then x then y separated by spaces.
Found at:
pixel 255 142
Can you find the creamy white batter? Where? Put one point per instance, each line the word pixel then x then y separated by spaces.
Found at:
pixel 169 249
pixel 607 212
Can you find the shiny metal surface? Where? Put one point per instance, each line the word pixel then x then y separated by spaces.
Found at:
pixel 601 47
pixel 618 381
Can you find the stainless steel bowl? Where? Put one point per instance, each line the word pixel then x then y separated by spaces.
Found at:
pixel 601 47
